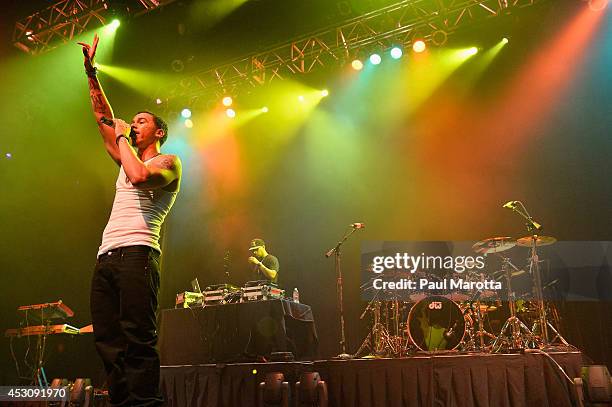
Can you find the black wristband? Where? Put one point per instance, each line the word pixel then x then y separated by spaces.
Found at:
pixel 91 73
pixel 119 136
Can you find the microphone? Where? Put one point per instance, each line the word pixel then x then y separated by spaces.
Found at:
pixel 357 225
pixel 110 123
pixel 510 204
pixel 535 224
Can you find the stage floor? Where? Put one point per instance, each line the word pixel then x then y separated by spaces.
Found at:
pixel 494 380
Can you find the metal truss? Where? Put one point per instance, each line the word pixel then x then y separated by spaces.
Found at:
pixel 62 21
pixel 398 24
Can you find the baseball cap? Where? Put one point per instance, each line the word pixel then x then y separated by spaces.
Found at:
pixel 256 244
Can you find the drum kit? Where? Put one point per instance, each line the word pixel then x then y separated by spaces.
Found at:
pixel 461 322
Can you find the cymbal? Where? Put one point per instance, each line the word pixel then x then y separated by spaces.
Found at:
pixel 527 241
pixel 494 245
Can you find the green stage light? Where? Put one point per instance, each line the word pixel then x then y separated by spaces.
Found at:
pixel 324 93
pixel 265 109
pixel 231 113
pixel 505 40
pixel 375 59
pixel 186 113
pixel 227 101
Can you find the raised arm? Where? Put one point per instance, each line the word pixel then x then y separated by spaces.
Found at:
pixel 99 103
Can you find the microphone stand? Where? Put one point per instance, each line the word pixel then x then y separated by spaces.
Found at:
pixel 336 252
pixel 534 267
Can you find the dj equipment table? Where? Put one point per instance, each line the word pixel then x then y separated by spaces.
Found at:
pixel 237 332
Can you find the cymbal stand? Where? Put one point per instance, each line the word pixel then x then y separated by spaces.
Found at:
pixel 513 330
pixel 534 270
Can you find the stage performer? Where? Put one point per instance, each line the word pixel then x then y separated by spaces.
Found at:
pixel 266 263
pixel 126 277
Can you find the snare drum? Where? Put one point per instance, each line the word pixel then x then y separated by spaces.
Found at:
pixel 436 323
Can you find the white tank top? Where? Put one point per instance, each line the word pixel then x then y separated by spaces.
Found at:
pixel 136 217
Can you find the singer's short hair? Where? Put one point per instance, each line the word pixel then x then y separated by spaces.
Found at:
pixel 160 124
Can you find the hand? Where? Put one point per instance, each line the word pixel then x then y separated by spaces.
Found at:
pixel 254 260
pixel 89 52
pixel 122 128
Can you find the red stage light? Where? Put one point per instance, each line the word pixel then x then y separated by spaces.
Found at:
pixel 419 46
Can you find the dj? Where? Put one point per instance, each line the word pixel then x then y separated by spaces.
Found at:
pixel 266 263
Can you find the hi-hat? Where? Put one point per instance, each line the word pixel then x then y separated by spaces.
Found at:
pixel 527 241
pixel 494 245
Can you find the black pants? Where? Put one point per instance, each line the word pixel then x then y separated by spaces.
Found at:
pixel 123 302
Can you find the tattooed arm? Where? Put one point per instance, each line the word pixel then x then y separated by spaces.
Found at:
pixel 99 103
pixel 164 171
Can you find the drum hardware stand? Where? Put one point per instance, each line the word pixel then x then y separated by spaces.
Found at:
pixel 513 329
pixel 481 333
pixel 379 340
pixel 541 325
pixel 336 252
pixel 367 342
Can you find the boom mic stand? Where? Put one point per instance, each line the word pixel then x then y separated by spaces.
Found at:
pixel 534 268
pixel 336 252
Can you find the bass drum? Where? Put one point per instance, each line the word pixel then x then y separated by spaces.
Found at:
pixel 436 323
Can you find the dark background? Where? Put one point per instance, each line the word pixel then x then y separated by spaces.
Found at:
pixel 439 172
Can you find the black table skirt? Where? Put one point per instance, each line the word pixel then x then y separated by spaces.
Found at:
pixel 466 380
pixel 237 332
pixel 433 381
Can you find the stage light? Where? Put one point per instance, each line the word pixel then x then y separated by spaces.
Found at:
pixel 8 155
pixel 396 52
pixel 505 40
pixel 419 46
pixel 115 24
pixel 227 101
pixel 188 123
pixel 471 51
pixel 265 109
pixel 324 93
pixel 231 113
pixel 375 59
pixel 186 113
pixel 254 371
pixel 158 101
pixel 357 65
pixel 301 98
pixel 598 5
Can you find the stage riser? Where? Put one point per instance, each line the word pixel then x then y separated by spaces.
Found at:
pixel 464 380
